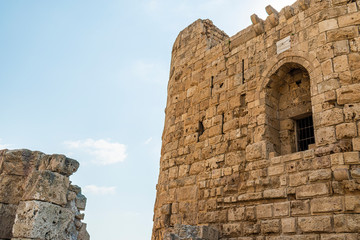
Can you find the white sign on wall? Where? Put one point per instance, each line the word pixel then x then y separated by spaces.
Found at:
pixel 283 45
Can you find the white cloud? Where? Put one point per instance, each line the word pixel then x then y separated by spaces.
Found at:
pixel 150 71
pixel 105 152
pixel 3 145
pixel 148 141
pixel 97 190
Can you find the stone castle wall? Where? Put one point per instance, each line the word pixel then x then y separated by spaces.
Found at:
pixel 231 159
pixel 37 200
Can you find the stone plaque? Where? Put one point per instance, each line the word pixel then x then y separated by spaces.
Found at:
pixel 283 45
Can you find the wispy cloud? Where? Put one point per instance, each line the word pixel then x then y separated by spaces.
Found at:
pixel 103 151
pixel 97 190
pixel 150 71
pixel 3 145
pixel 148 140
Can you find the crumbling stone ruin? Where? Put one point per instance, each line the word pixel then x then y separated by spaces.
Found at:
pixel 262 129
pixel 37 200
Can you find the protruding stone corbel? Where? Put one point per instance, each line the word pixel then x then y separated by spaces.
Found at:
pixel 289 12
pixel 273 15
pixel 270 10
pixel 258 24
pixel 304 4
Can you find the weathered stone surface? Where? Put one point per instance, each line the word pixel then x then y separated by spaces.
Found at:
pixel 328 204
pixel 348 94
pixel 347 223
pixel 11 188
pixel 83 234
pixel 41 220
pixel 60 164
pixel 312 190
pixel 47 186
pixel 36 199
pixel 315 224
pixel 7 217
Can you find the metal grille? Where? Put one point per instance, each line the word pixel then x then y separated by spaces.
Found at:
pixel 305 133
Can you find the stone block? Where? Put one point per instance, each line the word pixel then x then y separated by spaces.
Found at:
pixel 264 211
pixel 299 208
pixel 341 173
pixel 328 85
pixel 330 117
pixel 322 174
pixel 341 63
pixel 352 112
pixel 356 144
pixel 236 214
pixel 251 228
pixel 275 193
pixel 352 203
pixel 341 47
pixel 349 19
pixel 298 179
pixel 348 94
pixel 12 189
pixel 315 224
pixel 276 170
pixel 325 135
pixel 231 229
pixel 288 225
pixel 351 158
pixel 347 223
pixel 270 226
pixel 327 204
pixel 7 218
pixel 342 33
pixel 186 193
pixel 311 190
pixel 337 159
pixel 60 164
pixel 47 186
pixel 354 61
pixel 346 130
pixel 355 173
pixel 328 25
pixel 281 209
pixel 338 236
pixel 256 151
pixel 42 220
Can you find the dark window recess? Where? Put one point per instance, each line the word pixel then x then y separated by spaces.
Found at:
pixel 305 133
pixel 243 71
pixel 222 123
pixel 201 129
pixel 243 100
pixel 211 85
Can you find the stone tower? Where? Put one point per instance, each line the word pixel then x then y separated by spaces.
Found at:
pixel 262 129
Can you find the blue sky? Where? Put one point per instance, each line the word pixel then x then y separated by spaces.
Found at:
pixel 88 79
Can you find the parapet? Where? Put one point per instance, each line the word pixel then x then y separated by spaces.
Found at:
pixel 37 199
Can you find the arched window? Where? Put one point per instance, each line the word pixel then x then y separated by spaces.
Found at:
pixel 289 109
